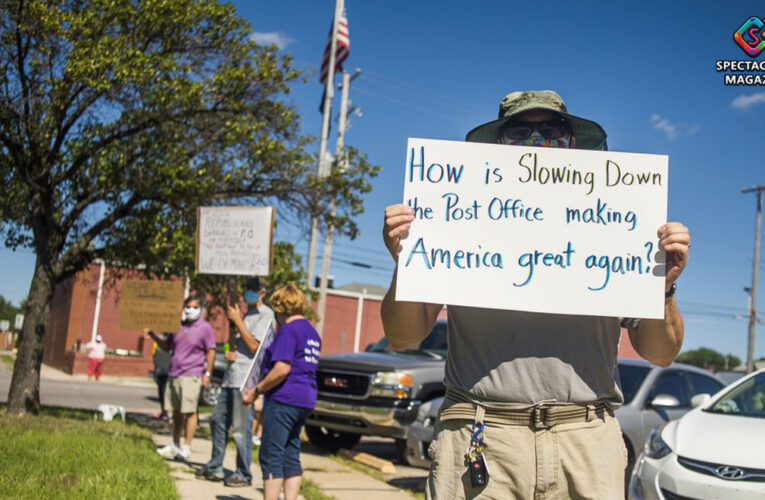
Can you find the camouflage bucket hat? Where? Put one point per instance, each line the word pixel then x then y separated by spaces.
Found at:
pixel 589 135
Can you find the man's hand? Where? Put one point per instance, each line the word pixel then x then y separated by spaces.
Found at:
pixel 205 380
pixel 398 220
pixel 675 240
pixel 230 356
pixel 233 313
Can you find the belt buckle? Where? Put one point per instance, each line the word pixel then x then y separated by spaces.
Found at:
pixel 539 416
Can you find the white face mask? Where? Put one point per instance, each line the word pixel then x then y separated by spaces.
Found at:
pixel 191 313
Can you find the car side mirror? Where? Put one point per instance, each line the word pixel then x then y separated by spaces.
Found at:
pixel 700 399
pixel 665 401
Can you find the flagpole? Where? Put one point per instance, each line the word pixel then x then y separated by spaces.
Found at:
pixel 329 93
pixel 339 157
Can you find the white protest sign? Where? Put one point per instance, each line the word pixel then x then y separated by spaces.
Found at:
pixel 256 367
pixel 4 325
pixel 235 240
pixel 534 229
pixel 19 323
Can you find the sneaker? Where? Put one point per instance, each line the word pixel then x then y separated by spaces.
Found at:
pixel 184 453
pixel 256 440
pixel 210 476
pixel 236 482
pixel 168 451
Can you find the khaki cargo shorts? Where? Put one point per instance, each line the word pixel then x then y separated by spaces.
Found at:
pixel 575 460
pixel 183 393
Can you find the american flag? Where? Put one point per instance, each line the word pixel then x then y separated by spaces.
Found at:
pixel 342 48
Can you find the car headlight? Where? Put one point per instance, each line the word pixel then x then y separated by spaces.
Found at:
pixel 655 447
pixel 392 385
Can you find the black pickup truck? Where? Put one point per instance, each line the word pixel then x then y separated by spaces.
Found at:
pixel 377 392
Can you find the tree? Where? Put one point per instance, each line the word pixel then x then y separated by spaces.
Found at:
pixel 117 119
pixel 704 357
pixel 8 310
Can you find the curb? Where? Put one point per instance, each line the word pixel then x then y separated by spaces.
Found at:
pixel 379 464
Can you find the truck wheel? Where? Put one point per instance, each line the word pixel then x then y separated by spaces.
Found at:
pixel 401 450
pixel 209 395
pixel 329 440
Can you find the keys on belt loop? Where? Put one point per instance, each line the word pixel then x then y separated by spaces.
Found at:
pixel 474 458
pixel 539 416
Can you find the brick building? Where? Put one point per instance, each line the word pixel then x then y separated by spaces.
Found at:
pixel 352 321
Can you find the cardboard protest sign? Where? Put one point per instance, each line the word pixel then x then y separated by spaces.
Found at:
pixel 235 240
pixel 156 305
pixel 534 229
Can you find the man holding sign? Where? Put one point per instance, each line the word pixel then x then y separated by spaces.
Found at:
pixel 191 363
pixel 530 395
pixel 231 411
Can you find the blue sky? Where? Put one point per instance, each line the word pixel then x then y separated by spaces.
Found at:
pixel 644 71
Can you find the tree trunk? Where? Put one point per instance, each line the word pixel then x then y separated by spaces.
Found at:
pixel 24 395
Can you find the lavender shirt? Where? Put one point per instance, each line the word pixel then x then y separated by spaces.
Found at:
pixel 298 344
pixel 190 347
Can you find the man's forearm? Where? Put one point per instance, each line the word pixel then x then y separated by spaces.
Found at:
pixel 210 360
pixel 163 344
pixel 406 324
pixel 249 339
pixel 659 340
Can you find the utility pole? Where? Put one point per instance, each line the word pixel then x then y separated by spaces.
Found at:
pixel 340 157
pixel 755 272
pixel 329 93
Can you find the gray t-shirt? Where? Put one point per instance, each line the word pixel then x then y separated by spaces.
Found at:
pixel 524 357
pixel 257 321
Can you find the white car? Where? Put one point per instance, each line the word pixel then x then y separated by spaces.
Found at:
pixel 715 451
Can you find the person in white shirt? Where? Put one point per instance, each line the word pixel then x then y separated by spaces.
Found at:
pixel 96 354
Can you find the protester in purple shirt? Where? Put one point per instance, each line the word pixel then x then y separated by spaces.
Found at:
pixel 289 384
pixel 191 363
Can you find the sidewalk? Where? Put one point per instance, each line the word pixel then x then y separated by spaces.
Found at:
pixel 50 373
pixel 332 478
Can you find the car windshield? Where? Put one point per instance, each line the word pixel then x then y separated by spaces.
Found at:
pixel 631 377
pixel 746 399
pixel 434 343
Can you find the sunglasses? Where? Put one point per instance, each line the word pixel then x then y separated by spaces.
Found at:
pixel 520 131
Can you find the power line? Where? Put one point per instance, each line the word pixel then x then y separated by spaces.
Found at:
pixel 413 106
pixel 711 306
pixel 366 249
pixel 421 93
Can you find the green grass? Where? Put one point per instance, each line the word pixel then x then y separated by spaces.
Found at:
pixel 7 360
pixel 310 491
pixel 64 453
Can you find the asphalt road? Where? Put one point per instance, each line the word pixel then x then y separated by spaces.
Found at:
pixel 88 395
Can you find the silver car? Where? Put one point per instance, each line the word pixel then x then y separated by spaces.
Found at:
pixel 652 395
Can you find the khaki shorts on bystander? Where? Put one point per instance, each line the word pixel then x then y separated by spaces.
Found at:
pixel 183 393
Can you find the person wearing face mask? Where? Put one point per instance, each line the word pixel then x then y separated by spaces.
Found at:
pixel 530 397
pixel 191 363
pixel 289 384
pixel 231 411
